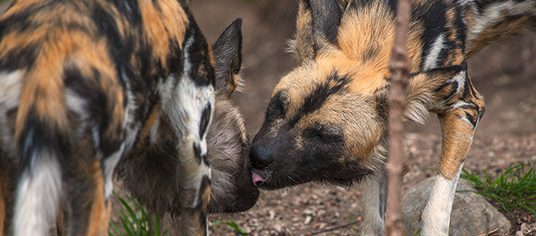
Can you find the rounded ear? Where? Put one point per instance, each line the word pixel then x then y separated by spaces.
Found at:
pixel 228 55
pixel 316 26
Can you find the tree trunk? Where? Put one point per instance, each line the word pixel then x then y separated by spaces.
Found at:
pixel 397 105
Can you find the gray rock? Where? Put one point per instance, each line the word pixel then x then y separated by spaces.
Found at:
pixel 471 214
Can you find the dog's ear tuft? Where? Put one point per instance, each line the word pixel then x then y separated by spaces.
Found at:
pixel 228 56
pixel 316 27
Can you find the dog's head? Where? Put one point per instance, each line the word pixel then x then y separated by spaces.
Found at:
pixel 325 119
pixel 227 139
pixel 150 173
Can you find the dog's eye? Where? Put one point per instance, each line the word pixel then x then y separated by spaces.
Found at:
pixel 276 108
pixel 324 133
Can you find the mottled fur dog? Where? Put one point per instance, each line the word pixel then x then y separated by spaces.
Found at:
pixel 327 118
pixel 81 83
pixel 149 174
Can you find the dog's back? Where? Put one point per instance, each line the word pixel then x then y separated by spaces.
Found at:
pixel 491 21
pixel 77 82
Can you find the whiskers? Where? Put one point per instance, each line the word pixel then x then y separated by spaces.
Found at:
pixel 294 178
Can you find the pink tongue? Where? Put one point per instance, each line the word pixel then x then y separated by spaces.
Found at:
pixel 257 179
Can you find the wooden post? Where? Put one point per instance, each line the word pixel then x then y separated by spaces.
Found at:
pixel 399 67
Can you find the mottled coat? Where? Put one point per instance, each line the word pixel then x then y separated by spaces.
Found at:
pixel 149 172
pixel 80 83
pixel 327 118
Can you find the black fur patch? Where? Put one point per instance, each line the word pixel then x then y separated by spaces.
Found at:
pixel 332 85
pixel 382 108
pixel 21 21
pixel 461 29
pixel 326 18
pixel 23 58
pixel 98 106
pixel 119 47
pixel 277 106
pixel 37 136
pixel 201 72
pixel 200 158
pixel 433 17
pixel 473 120
pixel 205 118
pixel 371 52
pixel 130 10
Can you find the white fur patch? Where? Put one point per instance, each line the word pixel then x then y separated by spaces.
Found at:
pixel 10 85
pixel 460 79
pixel 461 103
pixel 203 171
pixel 37 198
pixel 373 223
pixel 465 2
pixel 436 214
pixel 153 133
pixel 430 61
pixel 131 125
pixel 184 102
pixel 418 109
pixel 109 166
pixel 76 104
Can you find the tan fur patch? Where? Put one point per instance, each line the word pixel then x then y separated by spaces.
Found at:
pixel 153 116
pixel 455 56
pixel 303 33
pixel 100 209
pixel 366 34
pixel 457 139
pixel 206 196
pixel 161 25
pixel 415 46
pixel 42 88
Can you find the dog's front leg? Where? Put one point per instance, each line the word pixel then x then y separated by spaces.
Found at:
pixel 458 125
pixel 375 200
pixel 194 183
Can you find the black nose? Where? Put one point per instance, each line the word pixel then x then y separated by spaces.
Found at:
pixel 260 157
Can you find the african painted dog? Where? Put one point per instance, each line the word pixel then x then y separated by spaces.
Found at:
pixel 326 120
pixel 80 83
pixel 148 173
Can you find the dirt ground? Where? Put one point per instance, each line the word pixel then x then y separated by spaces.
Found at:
pixel 504 73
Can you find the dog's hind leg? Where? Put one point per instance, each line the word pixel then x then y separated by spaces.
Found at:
pixel 39 185
pixel 458 124
pixel 88 207
pixel 375 200
pixel 38 192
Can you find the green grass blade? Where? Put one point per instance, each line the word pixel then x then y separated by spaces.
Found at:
pixel 513 189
